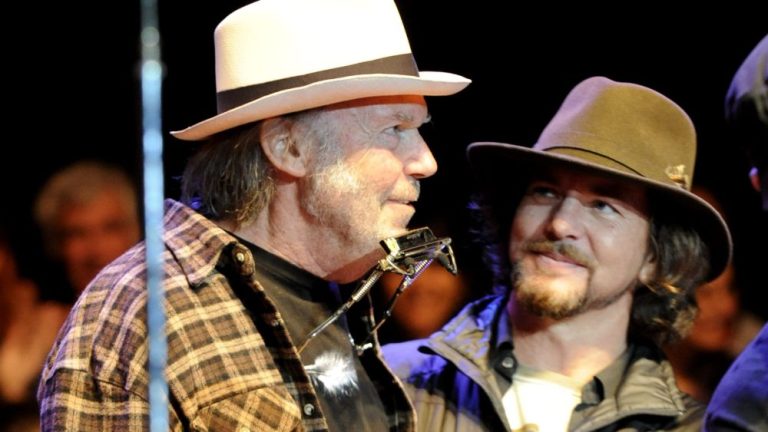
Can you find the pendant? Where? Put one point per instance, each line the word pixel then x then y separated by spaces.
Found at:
pixel 333 373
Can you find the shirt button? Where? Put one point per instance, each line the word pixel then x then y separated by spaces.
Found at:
pixel 508 362
pixel 240 257
pixel 309 409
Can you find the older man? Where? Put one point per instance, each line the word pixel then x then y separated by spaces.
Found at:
pixel 606 245
pixel 314 157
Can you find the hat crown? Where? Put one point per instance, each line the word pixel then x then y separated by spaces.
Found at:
pixel 275 57
pixel 625 127
pixel 271 40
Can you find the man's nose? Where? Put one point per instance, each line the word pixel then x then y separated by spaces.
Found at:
pixel 420 162
pixel 566 219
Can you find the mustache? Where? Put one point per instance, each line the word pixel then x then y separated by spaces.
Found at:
pixel 410 192
pixel 567 250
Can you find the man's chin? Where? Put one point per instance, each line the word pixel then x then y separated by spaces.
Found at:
pixel 392 231
pixel 548 307
pixel 549 298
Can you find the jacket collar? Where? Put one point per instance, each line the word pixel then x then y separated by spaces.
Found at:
pixel 648 385
pixel 469 336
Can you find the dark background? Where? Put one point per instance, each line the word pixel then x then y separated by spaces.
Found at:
pixel 72 88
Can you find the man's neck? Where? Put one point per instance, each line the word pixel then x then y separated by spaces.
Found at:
pixel 579 346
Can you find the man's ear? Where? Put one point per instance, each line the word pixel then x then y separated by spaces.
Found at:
pixel 648 270
pixel 281 148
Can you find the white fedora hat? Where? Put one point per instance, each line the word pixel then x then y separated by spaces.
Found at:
pixel 276 57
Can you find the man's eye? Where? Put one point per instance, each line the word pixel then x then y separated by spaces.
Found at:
pixel 542 191
pixel 604 206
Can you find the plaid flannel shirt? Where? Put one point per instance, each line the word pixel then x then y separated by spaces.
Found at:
pixel 229 367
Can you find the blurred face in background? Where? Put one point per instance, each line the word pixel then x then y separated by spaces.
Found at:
pixel 433 298
pixel 718 302
pixel 718 308
pixel 91 234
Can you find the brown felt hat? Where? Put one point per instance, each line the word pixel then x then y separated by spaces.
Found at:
pixel 622 130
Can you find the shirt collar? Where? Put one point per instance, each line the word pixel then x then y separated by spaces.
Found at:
pixel 195 241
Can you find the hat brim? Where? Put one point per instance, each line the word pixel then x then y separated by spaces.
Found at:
pixel 499 163
pixel 326 92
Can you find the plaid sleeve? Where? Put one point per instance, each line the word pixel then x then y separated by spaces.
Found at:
pixel 72 400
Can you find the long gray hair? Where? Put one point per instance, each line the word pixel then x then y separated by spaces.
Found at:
pixel 229 177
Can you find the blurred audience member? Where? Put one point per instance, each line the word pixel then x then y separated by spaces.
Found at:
pixel 740 402
pixel 425 306
pixel 720 331
pixel 89 216
pixel 28 327
pixel 746 108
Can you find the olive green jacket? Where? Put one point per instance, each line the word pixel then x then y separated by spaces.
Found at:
pixel 453 386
